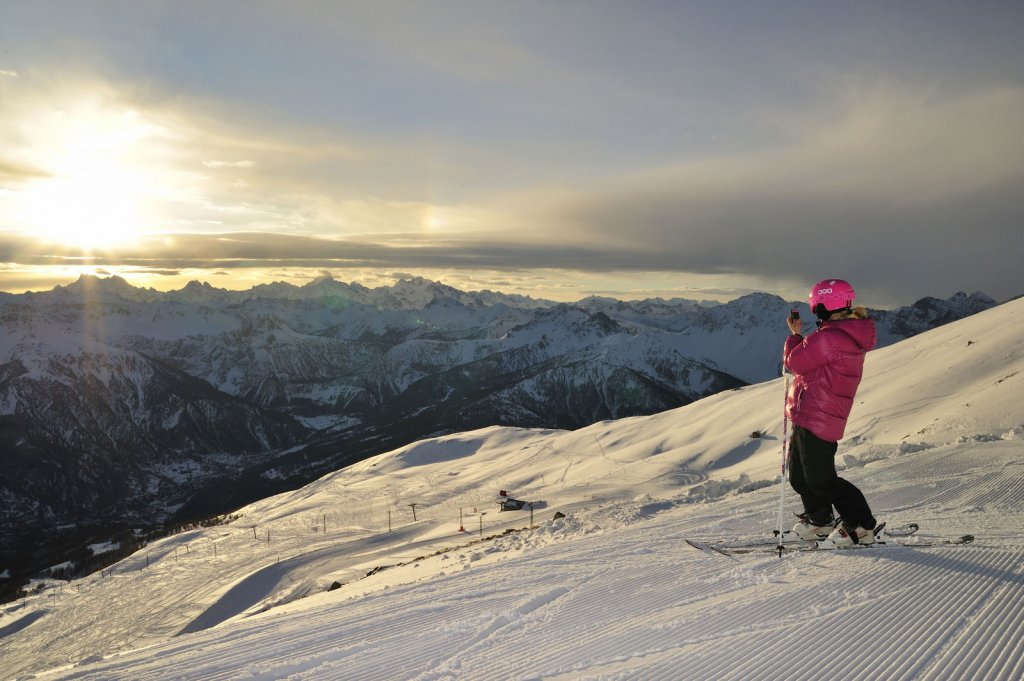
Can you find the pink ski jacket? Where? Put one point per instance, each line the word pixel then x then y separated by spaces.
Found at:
pixel 828 366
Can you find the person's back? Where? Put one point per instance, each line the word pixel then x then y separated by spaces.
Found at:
pixel 828 366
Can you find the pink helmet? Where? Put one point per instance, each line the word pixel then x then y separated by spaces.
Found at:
pixel 832 294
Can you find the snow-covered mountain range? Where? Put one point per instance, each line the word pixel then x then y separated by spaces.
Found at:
pixel 121 405
pixel 379 570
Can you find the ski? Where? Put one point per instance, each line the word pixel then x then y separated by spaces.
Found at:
pixel 709 548
pixel 790 539
pixel 824 545
pixel 902 530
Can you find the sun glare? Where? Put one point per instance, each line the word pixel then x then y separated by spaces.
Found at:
pixel 98 188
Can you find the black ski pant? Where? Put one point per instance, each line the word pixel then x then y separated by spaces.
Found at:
pixel 812 473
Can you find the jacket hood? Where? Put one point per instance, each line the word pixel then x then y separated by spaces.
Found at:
pixel 861 330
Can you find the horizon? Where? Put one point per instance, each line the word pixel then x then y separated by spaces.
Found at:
pixel 553 151
pixel 463 281
pixel 398 278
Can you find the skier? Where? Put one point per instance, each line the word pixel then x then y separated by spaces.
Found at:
pixel 827 366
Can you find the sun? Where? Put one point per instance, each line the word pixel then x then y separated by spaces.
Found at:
pixel 97 188
pixel 91 208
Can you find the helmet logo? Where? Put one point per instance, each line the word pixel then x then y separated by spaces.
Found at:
pixel 824 291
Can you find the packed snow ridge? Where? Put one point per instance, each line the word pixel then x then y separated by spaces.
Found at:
pixel 402 566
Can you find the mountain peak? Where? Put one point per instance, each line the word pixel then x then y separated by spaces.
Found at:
pixel 197 292
pixel 91 287
pixel 113 281
pixel 418 293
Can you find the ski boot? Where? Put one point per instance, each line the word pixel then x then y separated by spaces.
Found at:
pixel 847 535
pixel 810 529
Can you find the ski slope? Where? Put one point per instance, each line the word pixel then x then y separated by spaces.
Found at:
pixel 611 590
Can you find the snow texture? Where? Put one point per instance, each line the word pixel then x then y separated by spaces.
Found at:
pixel 611 590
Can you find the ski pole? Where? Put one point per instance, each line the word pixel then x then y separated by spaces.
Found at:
pixel 785 459
pixel 785 442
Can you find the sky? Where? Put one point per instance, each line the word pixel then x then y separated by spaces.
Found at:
pixel 554 149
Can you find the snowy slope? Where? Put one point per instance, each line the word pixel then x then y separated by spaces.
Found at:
pixel 611 591
pixel 114 385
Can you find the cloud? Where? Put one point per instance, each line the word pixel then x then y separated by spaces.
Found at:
pixel 472 145
pixel 14 171
pixel 229 164
pixel 4 73
pixel 260 249
pixel 62 125
pixel 907 192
